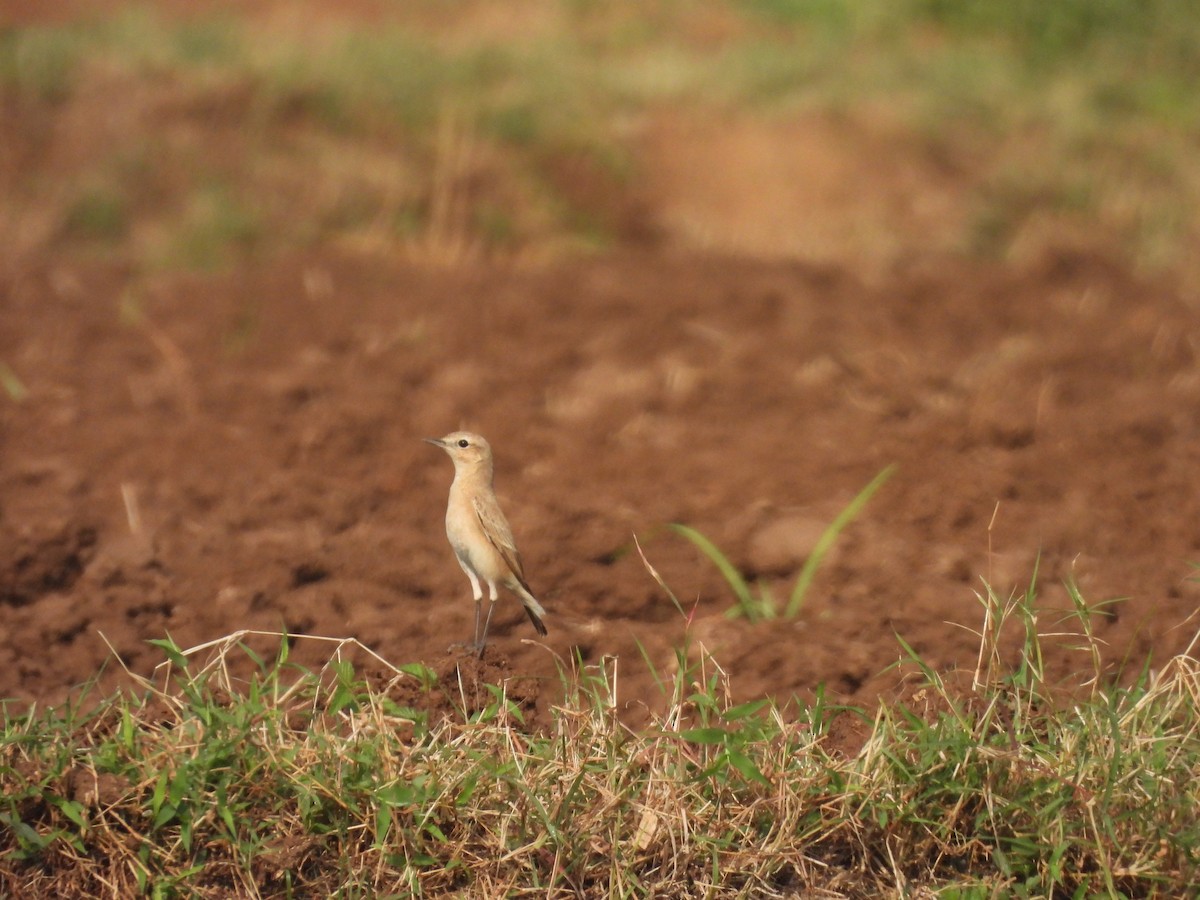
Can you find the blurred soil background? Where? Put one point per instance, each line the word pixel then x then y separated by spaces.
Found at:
pixel 710 263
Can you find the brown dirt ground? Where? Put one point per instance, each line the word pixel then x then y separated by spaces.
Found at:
pixel 245 454
pixel 203 454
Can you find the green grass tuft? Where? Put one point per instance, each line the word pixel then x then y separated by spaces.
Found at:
pixel 760 605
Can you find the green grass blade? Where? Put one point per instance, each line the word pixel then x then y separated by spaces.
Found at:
pixel 844 518
pixel 738 584
pixel 13 386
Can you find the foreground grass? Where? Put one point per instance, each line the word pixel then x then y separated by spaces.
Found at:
pixel 442 135
pixel 331 784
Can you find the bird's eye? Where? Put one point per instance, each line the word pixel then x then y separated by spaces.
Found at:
pixel 463 442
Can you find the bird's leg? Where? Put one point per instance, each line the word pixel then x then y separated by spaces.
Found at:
pixel 487 622
pixel 477 593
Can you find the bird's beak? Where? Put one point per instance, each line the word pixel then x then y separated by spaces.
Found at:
pixel 437 442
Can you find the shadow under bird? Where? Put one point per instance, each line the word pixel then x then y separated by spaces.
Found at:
pixel 479 533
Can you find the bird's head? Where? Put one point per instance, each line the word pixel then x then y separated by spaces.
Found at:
pixel 469 451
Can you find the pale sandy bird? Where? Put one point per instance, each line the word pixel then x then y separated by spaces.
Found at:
pixel 479 533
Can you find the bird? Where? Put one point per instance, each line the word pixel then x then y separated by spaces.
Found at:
pixel 478 532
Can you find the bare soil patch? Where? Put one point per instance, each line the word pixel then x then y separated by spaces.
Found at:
pixel 243 451
pixel 821 188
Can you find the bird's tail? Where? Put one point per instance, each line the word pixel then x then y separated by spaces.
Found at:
pixel 532 608
pixel 536 619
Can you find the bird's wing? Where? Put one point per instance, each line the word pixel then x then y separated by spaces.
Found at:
pixel 495 527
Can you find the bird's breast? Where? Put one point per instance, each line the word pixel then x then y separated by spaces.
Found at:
pixel 469 542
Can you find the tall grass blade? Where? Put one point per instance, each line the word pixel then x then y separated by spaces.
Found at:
pixel 844 518
pixel 741 589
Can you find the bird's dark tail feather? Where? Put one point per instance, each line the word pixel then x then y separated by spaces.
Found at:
pixel 537 621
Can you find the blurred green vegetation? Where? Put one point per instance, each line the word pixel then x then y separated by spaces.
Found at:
pixel 438 133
